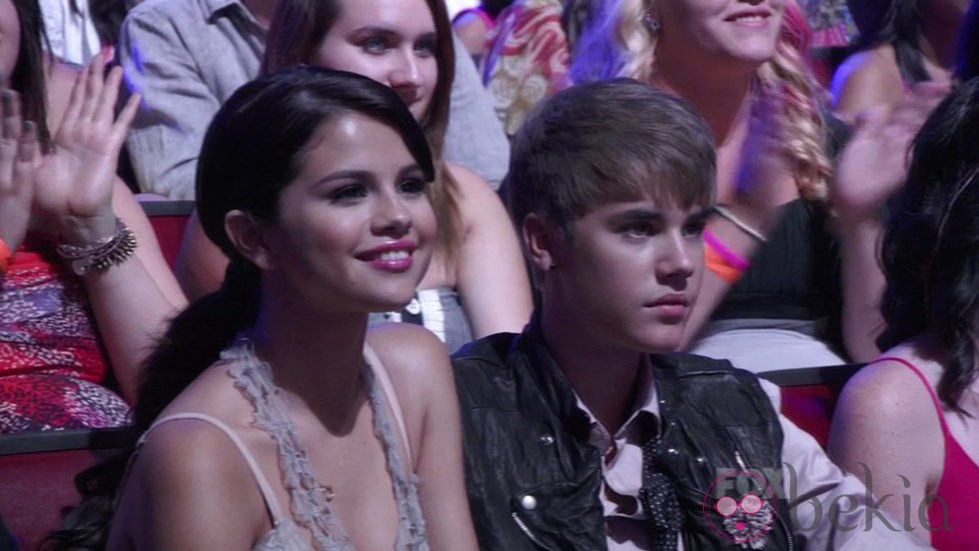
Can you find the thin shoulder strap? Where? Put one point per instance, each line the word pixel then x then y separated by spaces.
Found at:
pixel 263 484
pixel 924 380
pixel 381 374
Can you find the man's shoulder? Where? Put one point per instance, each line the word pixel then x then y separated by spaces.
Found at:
pixel 683 364
pixel 183 11
pixel 487 351
pixel 690 369
pixel 483 368
pixel 483 357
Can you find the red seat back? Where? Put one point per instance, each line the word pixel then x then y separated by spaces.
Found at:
pixel 809 395
pixel 169 220
pixel 37 473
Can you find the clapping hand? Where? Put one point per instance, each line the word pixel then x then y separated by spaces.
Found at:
pixel 873 165
pixel 74 182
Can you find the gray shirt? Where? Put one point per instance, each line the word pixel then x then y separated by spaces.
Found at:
pixel 186 57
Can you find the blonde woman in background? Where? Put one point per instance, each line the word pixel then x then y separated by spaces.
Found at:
pixel 792 279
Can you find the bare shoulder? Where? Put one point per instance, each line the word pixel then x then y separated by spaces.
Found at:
pixel 193 461
pixel 408 351
pixel 886 393
pixel 187 472
pixel 478 201
pixel 471 186
pixel 184 450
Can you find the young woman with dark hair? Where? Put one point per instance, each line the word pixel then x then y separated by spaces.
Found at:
pixel 271 417
pixel 909 419
pixel 477 283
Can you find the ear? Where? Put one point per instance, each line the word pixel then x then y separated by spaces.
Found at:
pixel 251 237
pixel 540 239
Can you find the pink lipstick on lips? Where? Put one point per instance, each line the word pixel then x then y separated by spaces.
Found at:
pixel 394 256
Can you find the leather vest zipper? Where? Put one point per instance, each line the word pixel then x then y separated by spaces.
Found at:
pixel 523 528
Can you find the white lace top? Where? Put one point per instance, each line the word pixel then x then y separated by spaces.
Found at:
pixel 309 507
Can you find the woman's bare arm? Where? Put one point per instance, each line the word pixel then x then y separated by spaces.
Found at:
pixel 492 278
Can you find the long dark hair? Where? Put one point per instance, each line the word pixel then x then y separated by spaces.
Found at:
pixel 297 29
pixel 252 150
pixel 894 22
pixel 930 252
pixel 28 74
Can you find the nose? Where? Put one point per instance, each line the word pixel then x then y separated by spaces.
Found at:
pixel 391 217
pixel 676 263
pixel 406 73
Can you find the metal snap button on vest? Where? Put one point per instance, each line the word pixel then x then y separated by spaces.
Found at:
pixel 546 439
pixel 528 502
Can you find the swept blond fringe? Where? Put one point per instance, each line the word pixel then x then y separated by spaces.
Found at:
pixel 802 124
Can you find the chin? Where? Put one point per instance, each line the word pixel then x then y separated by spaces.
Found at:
pixel 665 340
pixel 758 53
pixel 390 301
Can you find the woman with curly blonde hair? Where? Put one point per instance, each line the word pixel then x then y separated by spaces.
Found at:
pixel 779 290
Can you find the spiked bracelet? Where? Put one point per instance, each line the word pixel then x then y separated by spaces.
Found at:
pixel 100 254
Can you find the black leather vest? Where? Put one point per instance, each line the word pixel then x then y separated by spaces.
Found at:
pixel 534 480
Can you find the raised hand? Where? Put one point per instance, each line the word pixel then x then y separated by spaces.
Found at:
pixel 18 156
pixel 74 183
pixel 873 165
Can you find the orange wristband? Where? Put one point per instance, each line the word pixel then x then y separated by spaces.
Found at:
pixel 6 256
pixel 716 263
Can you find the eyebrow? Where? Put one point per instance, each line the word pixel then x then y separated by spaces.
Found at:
pixel 374 29
pixel 639 214
pixel 410 170
pixel 404 171
pixel 368 30
pixel 343 175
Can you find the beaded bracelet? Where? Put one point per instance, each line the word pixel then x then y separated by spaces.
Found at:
pixel 100 254
pixel 6 256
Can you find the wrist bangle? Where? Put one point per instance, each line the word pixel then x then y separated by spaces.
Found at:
pixel 100 254
pixel 6 257
pixel 740 224
pixel 721 260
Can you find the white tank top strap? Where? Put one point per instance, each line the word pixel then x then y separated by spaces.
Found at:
pixel 263 484
pixel 381 374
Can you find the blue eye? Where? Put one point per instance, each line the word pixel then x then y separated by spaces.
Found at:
pixel 374 45
pixel 426 47
pixel 637 230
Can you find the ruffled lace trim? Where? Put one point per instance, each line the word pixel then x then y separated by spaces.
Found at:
pixel 308 500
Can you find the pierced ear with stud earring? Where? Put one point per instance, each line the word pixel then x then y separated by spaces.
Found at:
pixel 651 21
